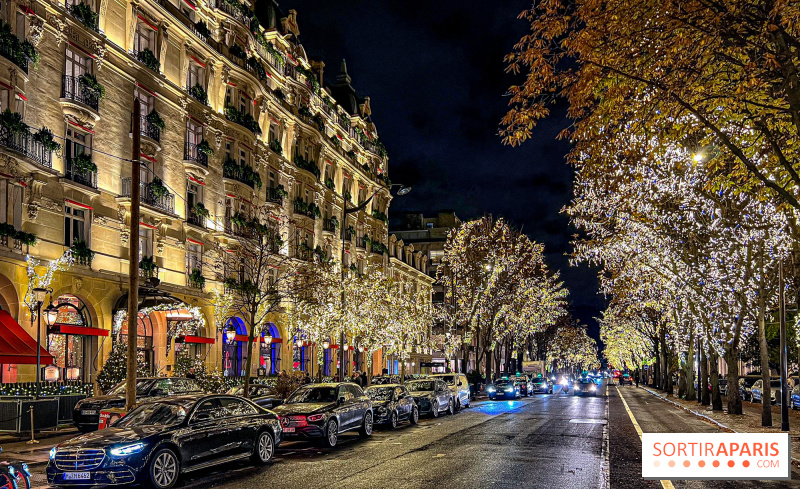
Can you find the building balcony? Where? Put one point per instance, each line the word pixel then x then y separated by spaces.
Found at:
pixel 233 12
pixel 15 55
pixel 148 129
pixel 14 244
pixel 235 229
pixel 275 195
pixel 304 253
pixel 73 89
pixel 329 225
pixel 192 217
pixel 24 144
pixel 150 196
pixel 290 70
pixel 190 153
pixel 305 209
pixel 82 177
pixel 243 174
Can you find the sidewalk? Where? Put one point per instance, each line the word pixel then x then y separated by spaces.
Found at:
pixel 748 422
pixel 15 448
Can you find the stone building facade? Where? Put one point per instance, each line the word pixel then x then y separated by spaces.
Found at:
pixel 235 114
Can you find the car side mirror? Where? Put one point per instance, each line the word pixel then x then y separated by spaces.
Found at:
pixel 341 400
pixel 460 383
pixel 157 392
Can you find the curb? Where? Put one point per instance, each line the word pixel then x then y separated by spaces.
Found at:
pixel 708 419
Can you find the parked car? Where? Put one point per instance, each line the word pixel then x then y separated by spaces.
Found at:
pixel 459 386
pixel 324 411
pixel 159 441
pixel 504 389
pixel 86 414
pixel 432 396
pixel 585 385
pixel 525 385
pixel 723 386
pixel 386 379
pixel 757 390
pixel 540 384
pixel 392 403
pixel 745 384
pixel 263 395
pixel 794 398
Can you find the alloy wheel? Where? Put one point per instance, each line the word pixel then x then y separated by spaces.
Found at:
pixel 414 415
pixel 393 420
pixel 266 447
pixel 435 409
pixel 165 469
pixel 366 430
pixel 333 433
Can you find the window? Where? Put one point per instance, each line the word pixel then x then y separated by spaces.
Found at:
pixel 75 225
pixel 78 143
pixel 145 242
pixel 328 171
pixel 146 99
pixel 194 256
pixel 273 181
pixel 195 76
pixel 429 225
pixel 70 3
pixel 308 150
pixel 244 156
pixel 144 38
pixel 194 194
pixel 10 203
pixel 194 133
pixel 362 194
pixel 237 99
pixel 274 132
pixel 77 63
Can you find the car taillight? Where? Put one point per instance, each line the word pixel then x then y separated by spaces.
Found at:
pixel 298 420
pixel 315 417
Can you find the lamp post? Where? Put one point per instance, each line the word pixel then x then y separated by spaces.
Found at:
pixel 345 211
pixel 39 293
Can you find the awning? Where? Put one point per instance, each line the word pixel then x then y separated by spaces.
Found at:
pixel 17 346
pixel 77 330
pixel 195 339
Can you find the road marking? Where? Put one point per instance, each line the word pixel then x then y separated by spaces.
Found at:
pixel 665 484
pixel 605 465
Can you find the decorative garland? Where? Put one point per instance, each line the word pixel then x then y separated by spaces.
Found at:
pixel 182 328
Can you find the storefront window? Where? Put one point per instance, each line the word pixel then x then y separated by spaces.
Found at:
pixel 71 350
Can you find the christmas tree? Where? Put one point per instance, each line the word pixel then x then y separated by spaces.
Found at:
pixel 116 367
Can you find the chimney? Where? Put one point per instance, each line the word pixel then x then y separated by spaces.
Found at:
pixel 317 66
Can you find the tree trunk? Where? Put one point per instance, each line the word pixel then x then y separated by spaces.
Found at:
pixel 734 400
pixel 498 359
pixel 704 393
pixel 487 358
pixel 668 369
pixel 663 359
pixel 713 365
pixel 657 366
pixel 520 358
pixel 508 355
pixel 766 398
pixel 691 393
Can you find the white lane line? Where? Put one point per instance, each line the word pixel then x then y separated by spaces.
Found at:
pixel 603 480
pixel 664 484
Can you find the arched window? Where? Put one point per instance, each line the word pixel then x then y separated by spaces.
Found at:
pixel 271 352
pixel 234 354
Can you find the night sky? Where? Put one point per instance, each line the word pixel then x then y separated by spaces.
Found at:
pixel 434 74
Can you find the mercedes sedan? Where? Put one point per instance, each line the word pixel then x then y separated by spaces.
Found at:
pixel 392 403
pixel 160 440
pixel 432 396
pixel 324 411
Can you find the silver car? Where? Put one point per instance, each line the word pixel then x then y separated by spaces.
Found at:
pixel 458 386
pixel 432 396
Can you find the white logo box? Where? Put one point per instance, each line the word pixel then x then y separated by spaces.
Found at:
pixel 726 456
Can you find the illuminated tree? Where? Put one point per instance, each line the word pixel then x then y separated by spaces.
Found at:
pixel 573 348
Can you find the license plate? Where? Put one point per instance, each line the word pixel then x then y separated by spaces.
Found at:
pixel 288 429
pixel 89 412
pixel 77 476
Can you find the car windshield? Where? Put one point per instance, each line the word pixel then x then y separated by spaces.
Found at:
pixel 380 393
pixel 255 391
pixel 775 384
pixel 421 385
pixel 155 414
pixel 450 379
pixel 142 386
pixel 538 381
pixel 502 383
pixel 313 394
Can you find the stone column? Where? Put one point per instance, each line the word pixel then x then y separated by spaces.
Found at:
pixel 163 39
pixel 132 22
pixel 185 64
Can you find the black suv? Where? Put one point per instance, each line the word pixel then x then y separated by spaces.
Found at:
pixel 86 414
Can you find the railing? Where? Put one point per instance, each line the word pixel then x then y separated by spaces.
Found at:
pixel 290 70
pixel 83 260
pixel 239 175
pixel 149 130
pixel 15 243
pixel 87 178
pixel 148 196
pixel 190 153
pixel 349 235
pixel 236 229
pixel 197 33
pixel 304 254
pixel 148 273
pixel 233 12
pixel 73 89
pixel 298 209
pixel 274 196
pixel 192 217
pixel 362 242
pixel 329 225
pixel 195 284
pixel 25 144
pixel 18 59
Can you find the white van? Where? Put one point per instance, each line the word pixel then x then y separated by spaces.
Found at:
pixel 458 386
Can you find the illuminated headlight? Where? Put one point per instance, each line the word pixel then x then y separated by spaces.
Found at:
pixel 490 389
pixel 315 417
pixel 381 409
pixel 53 453
pixel 564 382
pixel 592 387
pixel 509 389
pixel 127 450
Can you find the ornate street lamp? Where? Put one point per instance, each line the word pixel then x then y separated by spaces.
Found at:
pixel 39 294
pixel 230 334
pixel 326 344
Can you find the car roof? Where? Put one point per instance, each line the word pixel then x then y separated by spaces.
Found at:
pixel 385 385
pixel 329 384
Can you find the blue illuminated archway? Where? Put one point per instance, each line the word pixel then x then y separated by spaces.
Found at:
pixel 234 356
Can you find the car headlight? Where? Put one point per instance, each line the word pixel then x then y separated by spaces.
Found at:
pixel 592 387
pixel 315 417
pixel 509 389
pixel 127 450
pixel 490 389
pixel 53 453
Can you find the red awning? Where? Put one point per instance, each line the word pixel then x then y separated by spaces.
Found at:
pixel 17 346
pixel 195 339
pixel 77 330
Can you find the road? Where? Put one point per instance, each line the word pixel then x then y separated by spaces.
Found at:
pixel 548 441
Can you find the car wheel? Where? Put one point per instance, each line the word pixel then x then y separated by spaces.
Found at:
pixel 366 426
pixel 458 404
pixel 164 469
pixel 393 420
pixel 450 408
pixel 435 409
pixel 331 434
pixel 491 398
pixel 414 416
pixel 263 449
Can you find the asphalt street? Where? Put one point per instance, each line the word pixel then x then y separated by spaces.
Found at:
pixel 547 441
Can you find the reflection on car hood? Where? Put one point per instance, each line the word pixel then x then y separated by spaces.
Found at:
pixel 304 408
pixel 421 394
pixel 377 403
pixel 111 436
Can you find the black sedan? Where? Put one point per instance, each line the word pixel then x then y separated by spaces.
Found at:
pixel 263 395
pixel 541 385
pixel 158 441
pixel 392 403
pixel 323 411
pixel 433 396
pixel 584 385
pixel 86 414
pixel 504 389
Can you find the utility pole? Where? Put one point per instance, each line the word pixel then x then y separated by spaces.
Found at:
pixel 784 352
pixel 133 265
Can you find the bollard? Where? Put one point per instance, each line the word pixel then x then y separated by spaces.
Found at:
pixel 33 440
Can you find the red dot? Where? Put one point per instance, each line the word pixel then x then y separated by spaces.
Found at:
pixel 701 463
pixel 686 463
pixel 671 463
pixel 746 463
pixel 731 463
pixel 716 463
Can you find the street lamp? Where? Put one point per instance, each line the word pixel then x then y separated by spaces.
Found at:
pixel 345 211
pixel 230 334
pixel 39 294
pixel 326 344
